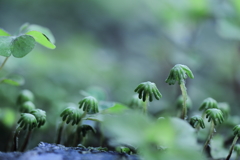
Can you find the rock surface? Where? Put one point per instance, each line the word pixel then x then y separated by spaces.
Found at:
pixel 46 151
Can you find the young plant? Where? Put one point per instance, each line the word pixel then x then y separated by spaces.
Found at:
pixel 197 121
pixel 23 43
pixel 146 91
pixel 70 114
pixel 27 122
pixel 208 103
pixel 236 132
pixel 178 74
pixel 40 116
pixel 215 117
pixel 25 95
pixel 27 107
pixel 89 105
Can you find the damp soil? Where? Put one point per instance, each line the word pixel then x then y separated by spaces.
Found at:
pixel 47 151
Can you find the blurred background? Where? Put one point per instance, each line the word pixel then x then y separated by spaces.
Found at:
pixel 112 46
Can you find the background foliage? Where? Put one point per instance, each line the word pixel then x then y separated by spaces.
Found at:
pixel 115 45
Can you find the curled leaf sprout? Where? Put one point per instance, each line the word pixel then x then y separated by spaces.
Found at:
pixel 89 105
pixel 27 122
pixel 146 91
pixel 215 116
pixel 70 114
pixel 208 103
pixel 178 74
pixel 27 107
pixel 40 116
pixel 236 132
pixel 24 96
pixel 82 130
pixel 196 121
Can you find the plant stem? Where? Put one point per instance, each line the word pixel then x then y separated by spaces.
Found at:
pixel 58 141
pixel 25 143
pixel 78 135
pixel 15 139
pixel 145 106
pixel 232 146
pixel 210 135
pixel 184 94
pixel 5 60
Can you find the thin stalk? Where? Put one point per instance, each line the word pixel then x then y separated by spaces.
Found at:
pixel 25 143
pixel 210 135
pixel 15 138
pixel 78 136
pixel 145 106
pixel 5 60
pixel 232 146
pixel 184 94
pixel 60 129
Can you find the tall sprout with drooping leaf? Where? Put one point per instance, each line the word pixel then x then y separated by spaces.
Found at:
pixel 40 116
pixel 208 103
pixel 27 122
pixel 23 43
pixel 236 132
pixel 178 74
pixel 146 91
pixel 197 122
pixel 215 117
pixel 72 115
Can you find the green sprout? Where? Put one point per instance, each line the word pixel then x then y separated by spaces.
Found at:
pixel 27 122
pixel 146 91
pixel 236 132
pixel 197 121
pixel 70 114
pixel 89 105
pixel 208 103
pixel 25 95
pixel 237 149
pixel 23 43
pixel 40 116
pixel 215 116
pixel 27 107
pixel 178 74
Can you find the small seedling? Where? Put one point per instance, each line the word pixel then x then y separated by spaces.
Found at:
pixel 27 122
pixel 208 103
pixel 89 105
pixel 215 116
pixel 40 115
pixel 24 96
pixel 146 91
pixel 27 107
pixel 197 121
pixel 70 114
pixel 83 130
pixel 236 132
pixel 178 74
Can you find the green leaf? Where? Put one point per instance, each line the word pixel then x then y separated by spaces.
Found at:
pixel 34 27
pixel 4 33
pixel 22 45
pixel 13 80
pixel 41 39
pixel 117 108
pixel 5 45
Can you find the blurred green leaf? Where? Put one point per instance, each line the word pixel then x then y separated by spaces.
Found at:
pixel 4 33
pixel 8 117
pixel 117 108
pixel 13 80
pixel 5 45
pixel 228 29
pixel 22 45
pixel 41 39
